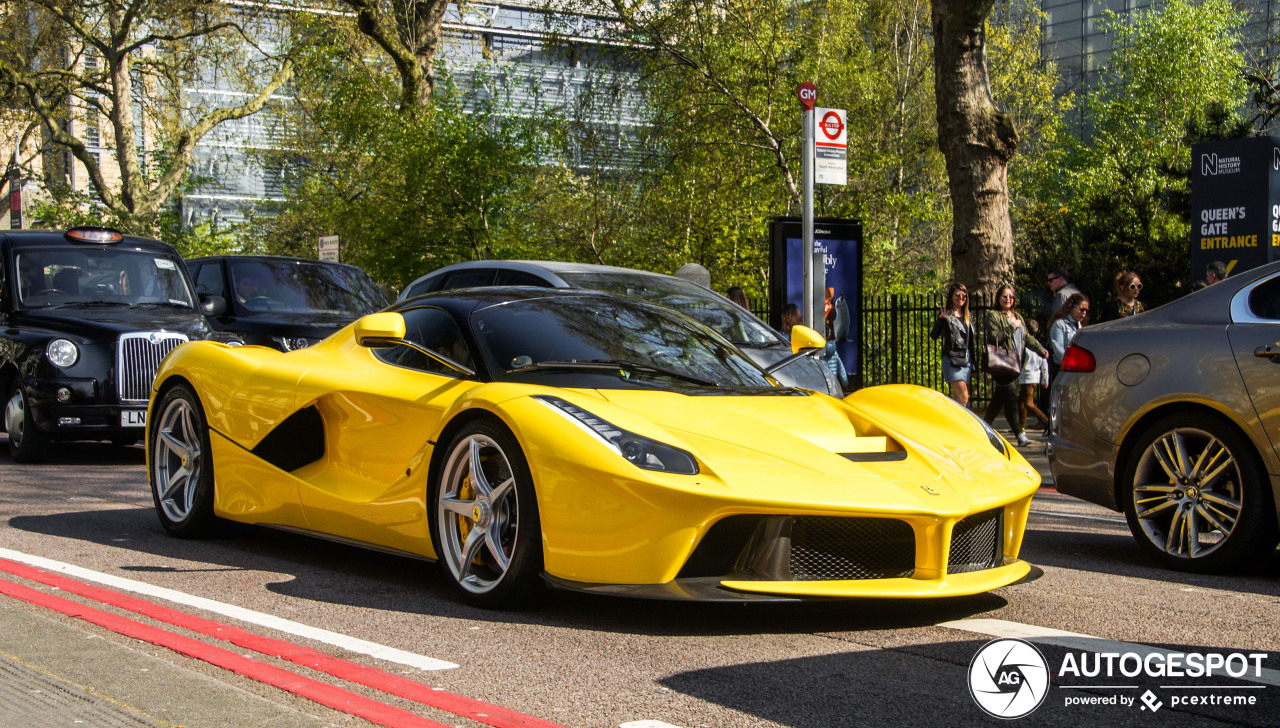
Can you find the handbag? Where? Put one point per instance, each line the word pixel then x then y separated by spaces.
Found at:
pixel 1002 361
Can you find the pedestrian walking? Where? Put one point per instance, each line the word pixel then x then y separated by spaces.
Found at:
pixel 1214 272
pixel 1007 332
pixel 1035 375
pixel 1126 303
pixel 953 323
pixel 831 359
pixel 1062 329
pixel 1061 288
pixel 791 316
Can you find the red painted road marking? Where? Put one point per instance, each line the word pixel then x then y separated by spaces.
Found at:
pixel 328 695
pixel 372 677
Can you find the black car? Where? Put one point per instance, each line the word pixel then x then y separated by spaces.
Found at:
pixel 284 303
pixel 86 315
pixel 754 337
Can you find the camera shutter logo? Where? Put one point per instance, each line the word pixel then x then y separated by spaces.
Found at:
pixel 1008 678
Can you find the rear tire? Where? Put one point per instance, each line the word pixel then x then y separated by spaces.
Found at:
pixel 485 525
pixel 180 467
pixel 27 444
pixel 1197 497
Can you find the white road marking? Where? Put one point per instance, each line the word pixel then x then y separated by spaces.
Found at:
pixel 1082 642
pixel 261 619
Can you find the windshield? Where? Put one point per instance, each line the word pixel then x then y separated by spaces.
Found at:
pixel 732 321
pixel 293 286
pixel 610 342
pixel 67 276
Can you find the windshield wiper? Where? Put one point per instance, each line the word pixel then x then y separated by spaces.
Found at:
pixel 70 304
pixel 613 364
pixel 160 304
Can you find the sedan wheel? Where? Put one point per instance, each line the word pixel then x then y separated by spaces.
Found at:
pixel 181 469
pixel 1197 497
pixel 27 444
pixel 487 533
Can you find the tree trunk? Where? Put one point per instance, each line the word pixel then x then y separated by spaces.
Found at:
pixel 409 32
pixel 977 141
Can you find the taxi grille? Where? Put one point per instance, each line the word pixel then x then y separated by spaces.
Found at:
pixel 139 358
pixel 836 548
pixel 976 543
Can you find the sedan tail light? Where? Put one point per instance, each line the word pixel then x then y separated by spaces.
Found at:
pixel 1078 359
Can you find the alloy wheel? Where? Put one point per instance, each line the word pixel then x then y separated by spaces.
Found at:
pixel 1187 493
pixel 177 460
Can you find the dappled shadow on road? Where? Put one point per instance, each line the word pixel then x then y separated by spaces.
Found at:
pixel 326 572
pixel 927 685
pixel 73 454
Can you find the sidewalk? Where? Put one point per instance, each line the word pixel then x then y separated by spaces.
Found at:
pixel 1034 453
pixel 58 672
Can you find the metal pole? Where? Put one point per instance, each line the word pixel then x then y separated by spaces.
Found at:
pixel 806 224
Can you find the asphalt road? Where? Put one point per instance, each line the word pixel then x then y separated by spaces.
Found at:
pixel 581 661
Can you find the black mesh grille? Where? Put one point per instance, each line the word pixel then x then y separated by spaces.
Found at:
pixel 976 543
pixel 831 547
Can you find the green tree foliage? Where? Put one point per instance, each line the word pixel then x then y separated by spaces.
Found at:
pixel 721 149
pixel 124 69
pixel 408 191
pixel 1122 202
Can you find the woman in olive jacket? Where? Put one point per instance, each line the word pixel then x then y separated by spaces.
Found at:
pixel 1005 328
pixel 953 322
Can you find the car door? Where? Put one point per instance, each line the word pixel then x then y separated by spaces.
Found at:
pixel 1254 333
pixel 379 421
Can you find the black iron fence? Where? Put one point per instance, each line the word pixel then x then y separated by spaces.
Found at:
pixel 895 347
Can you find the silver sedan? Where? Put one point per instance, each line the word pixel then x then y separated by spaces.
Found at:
pixel 1173 417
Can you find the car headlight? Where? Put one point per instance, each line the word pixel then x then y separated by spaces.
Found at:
pixel 638 450
pixel 292 343
pixel 992 436
pixel 62 353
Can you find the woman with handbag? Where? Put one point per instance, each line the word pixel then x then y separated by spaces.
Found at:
pixel 1006 337
pixel 953 321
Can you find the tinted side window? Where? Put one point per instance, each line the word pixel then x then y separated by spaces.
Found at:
pixel 1264 301
pixel 434 330
pixel 208 278
pixel 520 278
pixel 469 278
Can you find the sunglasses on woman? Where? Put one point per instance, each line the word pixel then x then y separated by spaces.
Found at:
pixel 1135 286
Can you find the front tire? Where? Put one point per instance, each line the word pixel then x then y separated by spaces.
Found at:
pixel 27 444
pixel 1197 498
pixel 486 530
pixel 181 464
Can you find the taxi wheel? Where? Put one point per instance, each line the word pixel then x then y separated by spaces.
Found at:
pixel 485 528
pixel 1197 498
pixel 27 444
pixel 181 465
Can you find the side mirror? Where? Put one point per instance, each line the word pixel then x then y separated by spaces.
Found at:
pixel 804 338
pixel 380 330
pixel 212 305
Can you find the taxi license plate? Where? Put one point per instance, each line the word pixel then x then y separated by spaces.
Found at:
pixel 133 418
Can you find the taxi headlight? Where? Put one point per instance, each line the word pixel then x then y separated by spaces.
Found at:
pixel 62 353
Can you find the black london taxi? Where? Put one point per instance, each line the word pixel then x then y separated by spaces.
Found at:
pixel 86 315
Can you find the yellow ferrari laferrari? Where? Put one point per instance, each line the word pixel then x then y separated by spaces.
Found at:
pixel 523 436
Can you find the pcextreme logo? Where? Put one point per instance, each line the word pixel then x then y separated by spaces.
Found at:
pixel 1008 678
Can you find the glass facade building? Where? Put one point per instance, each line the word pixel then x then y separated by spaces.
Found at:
pixel 1073 38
